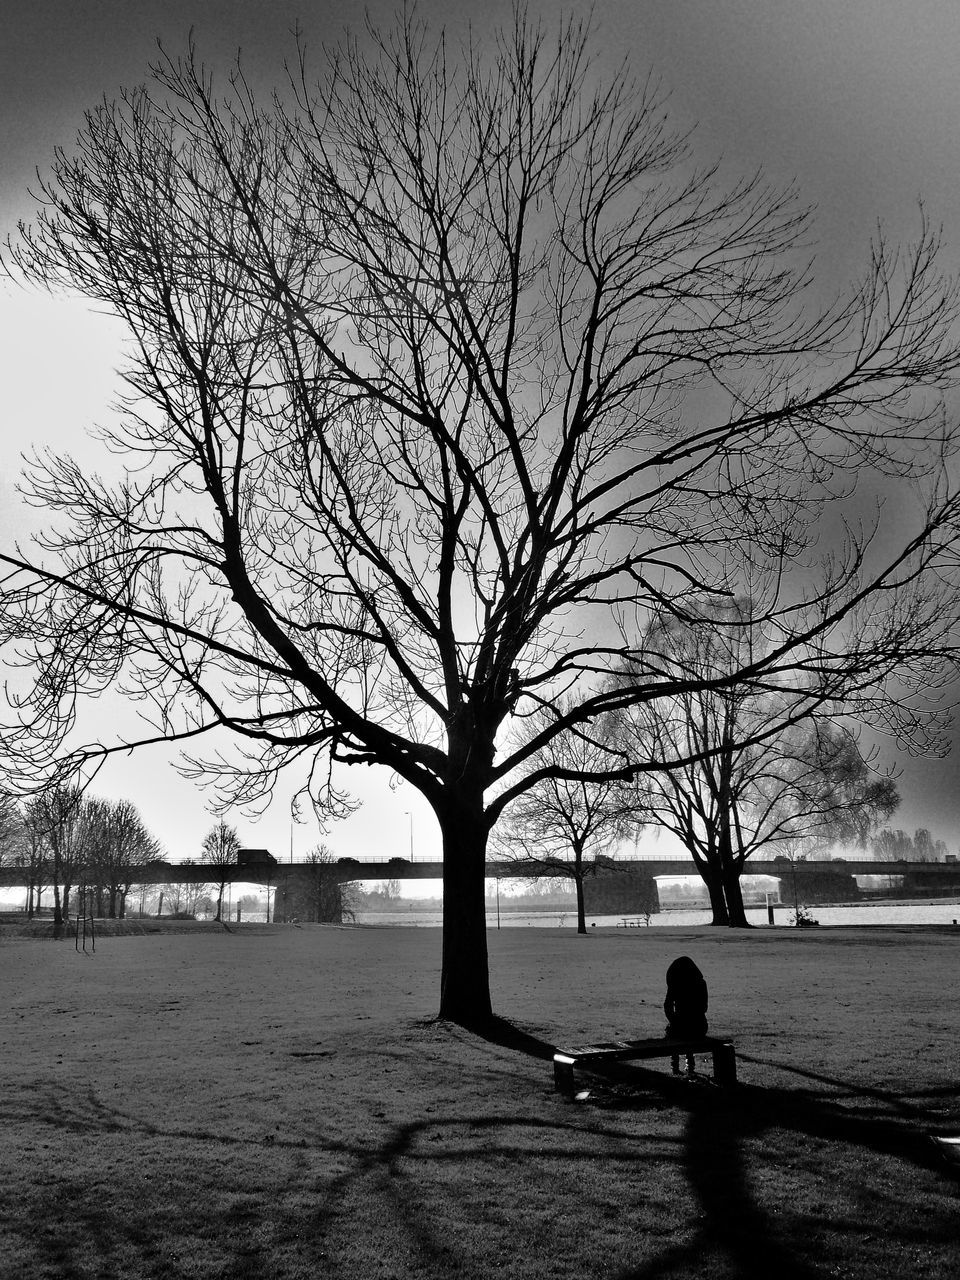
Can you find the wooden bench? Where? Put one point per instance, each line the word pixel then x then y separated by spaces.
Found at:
pixel 721 1051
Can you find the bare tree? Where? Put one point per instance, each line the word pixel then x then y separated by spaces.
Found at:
pixel 55 820
pixel 566 821
pixel 897 846
pixel 443 371
pixel 855 798
pixel 220 847
pixel 755 769
pixel 118 844
pixel 319 894
pixel 12 833
pixel 36 854
pixel 185 898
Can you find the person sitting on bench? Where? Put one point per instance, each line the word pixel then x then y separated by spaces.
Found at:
pixel 685 1005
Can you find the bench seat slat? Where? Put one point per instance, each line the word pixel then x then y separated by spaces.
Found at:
pixel 722 1051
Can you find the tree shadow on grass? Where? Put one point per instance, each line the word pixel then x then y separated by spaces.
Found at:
pixel 505 1034
pixel 720 1124
pixel 734 1227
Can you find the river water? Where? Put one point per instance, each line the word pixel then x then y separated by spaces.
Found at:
pixel 865 913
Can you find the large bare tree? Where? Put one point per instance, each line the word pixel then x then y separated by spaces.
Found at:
pixel 443 368
pixel 754 768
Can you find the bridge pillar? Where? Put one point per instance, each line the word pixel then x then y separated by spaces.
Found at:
pixel 627 890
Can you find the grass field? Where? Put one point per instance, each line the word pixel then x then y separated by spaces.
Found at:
pixel 277 1102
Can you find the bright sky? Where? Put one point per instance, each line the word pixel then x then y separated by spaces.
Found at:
pixel 858 101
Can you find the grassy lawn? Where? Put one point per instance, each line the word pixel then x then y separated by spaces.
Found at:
pixel 277 1102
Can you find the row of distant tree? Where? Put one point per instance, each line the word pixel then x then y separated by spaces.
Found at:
pixel 64 840
pixel 70 843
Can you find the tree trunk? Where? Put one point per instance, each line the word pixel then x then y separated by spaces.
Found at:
pixel 57 910
pixel 732 890
pixel 718 901
pixel 581 912
pixel 464 980
pixel 711 875
pixel 730 868
pixel 734 896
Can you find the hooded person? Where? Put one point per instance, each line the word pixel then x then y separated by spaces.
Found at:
pixel 685 1004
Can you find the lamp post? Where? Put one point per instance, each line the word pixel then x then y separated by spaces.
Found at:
pixel 410 816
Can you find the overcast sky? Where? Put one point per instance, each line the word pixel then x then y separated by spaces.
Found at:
pixel 857 100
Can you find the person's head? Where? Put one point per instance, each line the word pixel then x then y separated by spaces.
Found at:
pixel 683 972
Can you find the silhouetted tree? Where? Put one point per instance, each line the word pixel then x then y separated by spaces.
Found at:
pixel 55 819
pixel 12 833
pixel 564 824
pixel 443 372
pixel 220 847
pixel 36 854
pixel 117 844
pixel 759 768
pixel 897 846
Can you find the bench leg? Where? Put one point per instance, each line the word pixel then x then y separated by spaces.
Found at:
pixel 725 1065
pixel 563 1075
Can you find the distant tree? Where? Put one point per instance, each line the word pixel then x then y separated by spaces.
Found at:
pixel 36 855
pixel 12 832
pixel 148 898
pixel 926 849
pixel 892 845
pixel 55 819
pixel 117 843
pixel 846 798
pixel 898 846
pixel 759 770
pixel 563 824
pixel 249 904
pixel 220 847
pixel 318 893
pixel 186 898
pixel 855 800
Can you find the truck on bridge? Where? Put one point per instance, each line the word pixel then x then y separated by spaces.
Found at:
pixel 255 858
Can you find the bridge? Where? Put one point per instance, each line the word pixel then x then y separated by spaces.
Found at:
pixel 341 870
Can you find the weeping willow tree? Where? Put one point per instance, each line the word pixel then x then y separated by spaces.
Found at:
pixel 444 367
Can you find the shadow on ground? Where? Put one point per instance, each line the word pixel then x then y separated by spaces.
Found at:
pixel 425 1197
pixel 720 1123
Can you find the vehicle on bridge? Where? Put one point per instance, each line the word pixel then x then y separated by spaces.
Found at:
pixel 255 858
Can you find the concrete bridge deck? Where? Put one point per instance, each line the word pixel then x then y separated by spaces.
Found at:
pixel 346 869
